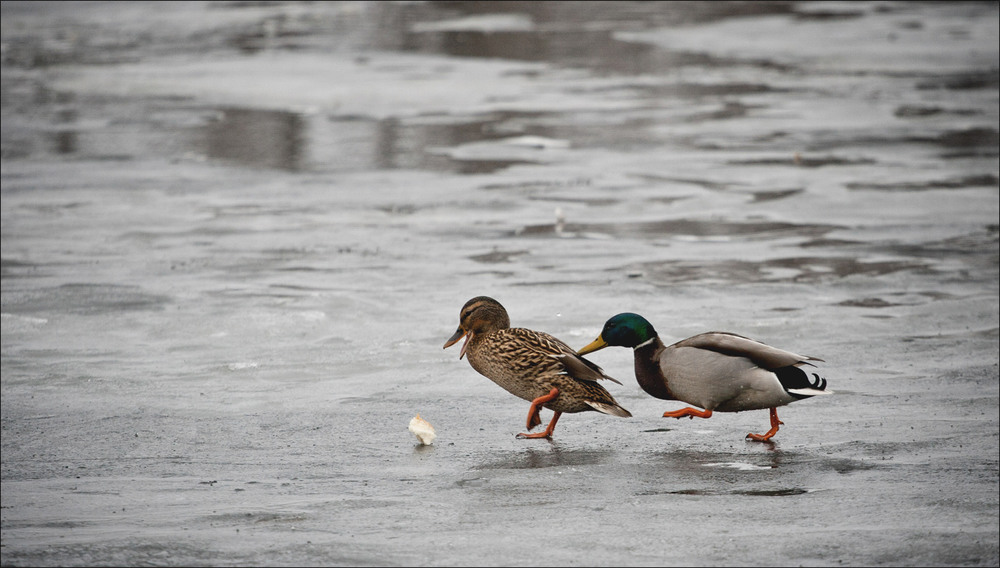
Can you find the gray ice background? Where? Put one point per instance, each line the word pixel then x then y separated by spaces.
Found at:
pixel 235 236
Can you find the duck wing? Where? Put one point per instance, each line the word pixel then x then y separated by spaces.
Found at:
pixel 762 355
pixel 784 364
pixel 574 366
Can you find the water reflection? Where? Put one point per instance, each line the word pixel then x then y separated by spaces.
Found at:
pixel 553 455
pixel 756 457
pixel 581 34
pixel 808 269
pixel 264 138
pixel 598 50
pixel 65 141
pixel 603 37
pixel 424 142
pixel 785 492
pixel 278 139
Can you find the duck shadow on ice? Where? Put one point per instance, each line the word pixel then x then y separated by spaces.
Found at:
pixel 766 471
pixel 677 463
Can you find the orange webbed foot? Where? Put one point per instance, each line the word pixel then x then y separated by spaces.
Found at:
pixel 548 431
pixel 689 412
pixel 523 436
pixel 766 437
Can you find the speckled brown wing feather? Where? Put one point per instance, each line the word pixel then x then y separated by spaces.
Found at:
pixel 574 365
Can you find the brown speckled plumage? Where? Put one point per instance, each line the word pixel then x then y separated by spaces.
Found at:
pixel 530 364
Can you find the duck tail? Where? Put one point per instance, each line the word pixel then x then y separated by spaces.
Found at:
pixel 612 409
pixel 798 384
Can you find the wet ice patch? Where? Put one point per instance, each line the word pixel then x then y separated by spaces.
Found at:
pixel 312 315
pixel 488 23
pixel 739 465
pixel 537 142
pixel 85 299
pixel 520 150
pixel 831 45
pixel 773 492
pixel 13 322
pixel 748 493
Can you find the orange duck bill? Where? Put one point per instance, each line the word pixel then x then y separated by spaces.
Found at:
pixel 459 333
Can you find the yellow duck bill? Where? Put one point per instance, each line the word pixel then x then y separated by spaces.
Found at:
pixel 594 345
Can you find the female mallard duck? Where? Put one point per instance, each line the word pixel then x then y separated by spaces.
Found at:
pixel 716 370
pixel 530 364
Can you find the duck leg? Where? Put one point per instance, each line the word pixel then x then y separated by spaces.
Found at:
pixel 774 428
pixel 534 418
pixel 689 411
pixel 548 431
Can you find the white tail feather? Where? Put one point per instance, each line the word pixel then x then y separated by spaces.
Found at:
pixel 609 409
pixel 809 392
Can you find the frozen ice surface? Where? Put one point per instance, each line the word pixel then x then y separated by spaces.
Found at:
pixel 235 237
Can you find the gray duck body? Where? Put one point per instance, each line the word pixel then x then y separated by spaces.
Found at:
pixel 723 372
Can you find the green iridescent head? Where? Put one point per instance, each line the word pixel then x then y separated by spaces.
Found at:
pixel 623 330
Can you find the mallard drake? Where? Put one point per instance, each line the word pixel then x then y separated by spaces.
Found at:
pixel 530 364
pixel 717 371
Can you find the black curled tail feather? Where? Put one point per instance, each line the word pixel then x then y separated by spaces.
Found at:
pixel 794 379
pixel 819 383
